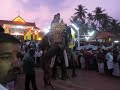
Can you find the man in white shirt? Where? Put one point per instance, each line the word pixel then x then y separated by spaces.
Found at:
pixel 38 54
pixel 109 58
pixel 9 49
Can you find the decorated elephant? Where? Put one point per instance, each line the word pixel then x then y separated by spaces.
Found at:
pixel 54 46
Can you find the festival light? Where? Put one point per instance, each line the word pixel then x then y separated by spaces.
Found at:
pixel 75 27
pixel 78 34
pixel 36 32
pixel 87 38
pixel 116 41
pixel 19 26
pixel 17 33
pixel 39 38
pixel 91 33
pixel 72 31
pixel 46 30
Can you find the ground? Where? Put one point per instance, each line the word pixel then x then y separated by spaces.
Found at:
pixel 86 80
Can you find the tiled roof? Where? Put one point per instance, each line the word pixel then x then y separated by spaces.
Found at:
pixel 16 23
pixel 102 35
pixel 36 28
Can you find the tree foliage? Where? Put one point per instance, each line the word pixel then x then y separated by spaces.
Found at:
pixel 98 20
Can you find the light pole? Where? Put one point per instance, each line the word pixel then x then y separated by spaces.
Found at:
pixel 78 34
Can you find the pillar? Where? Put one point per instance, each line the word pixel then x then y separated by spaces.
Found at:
pixel 33 36
pixel 25 36
pixel 7 29
pixel 37 36
pixel 29 34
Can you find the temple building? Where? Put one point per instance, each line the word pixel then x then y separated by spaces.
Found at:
pixel 21 29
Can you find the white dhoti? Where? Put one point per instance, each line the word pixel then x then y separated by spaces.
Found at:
pixel 101 67
pixel 116 70
pixel 82 61
pixel 110 65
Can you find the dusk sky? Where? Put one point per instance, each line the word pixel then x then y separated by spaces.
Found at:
pixel 42 11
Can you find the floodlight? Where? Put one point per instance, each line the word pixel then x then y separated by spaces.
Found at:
pixel 72 31
pixel 87 38
pixel 91 33
pixel 116 41
pixel 46 30
pixel 75 27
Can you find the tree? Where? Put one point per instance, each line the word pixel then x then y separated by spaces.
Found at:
pixel 98 16
pixel 97 20
pixel 115 26
pixel 90 20
pixel 105 22
pixel 80 12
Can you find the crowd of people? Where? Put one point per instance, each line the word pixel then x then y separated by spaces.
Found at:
pixel 95 43
pixel 103 61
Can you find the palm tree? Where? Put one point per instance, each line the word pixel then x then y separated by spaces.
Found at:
pixel 98 16
pixel 115 27
pixel 90 19
pixel 105 22
pixel 80 12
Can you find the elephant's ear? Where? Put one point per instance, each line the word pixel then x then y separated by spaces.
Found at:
pixel 44 43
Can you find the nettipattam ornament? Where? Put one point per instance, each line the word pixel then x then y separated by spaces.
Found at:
pixel 58 33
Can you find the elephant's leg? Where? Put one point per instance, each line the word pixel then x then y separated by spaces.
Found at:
pixel 64 69
pixel 54 70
